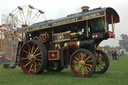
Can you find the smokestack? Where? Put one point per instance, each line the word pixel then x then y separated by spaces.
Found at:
pixel 85 8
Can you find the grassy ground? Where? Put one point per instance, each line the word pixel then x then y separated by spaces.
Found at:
pixel 116 75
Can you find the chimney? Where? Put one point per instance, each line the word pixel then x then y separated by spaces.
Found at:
pixel 85 8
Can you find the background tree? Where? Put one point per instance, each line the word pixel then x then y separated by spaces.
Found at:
pixel 124 42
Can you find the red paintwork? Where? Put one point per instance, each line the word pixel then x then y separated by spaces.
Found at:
pixel 72 46
pixel 36 38
pixel 24 25
pixel 55 53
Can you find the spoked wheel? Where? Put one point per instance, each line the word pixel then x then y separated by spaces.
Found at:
pixel 33 57
pixel 83 63
pixel 102 62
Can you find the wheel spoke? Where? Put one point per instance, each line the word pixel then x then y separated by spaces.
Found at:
pixel 89 61
pixel 32 48
pixel 75 62
pixel 36 18
pixel 38 59
pixel 86 70
pixel 89 69
pixel 76 58
pixel 26 52
pixel 83 70
pixel 30 13
pixel 79 56
pixel 82 55
pixel 27 64
pixel 99 59
pixel 100 68
pixel 38 54
pixel 88 65
pixel 87 58
pixel 79 69
pixel 97 68
pixel 30 69
pixel 27 16
pixel 101 65
pixel 39 63
pixel 16 23
pixel 21 16
pixel 18 20
pixel 36 50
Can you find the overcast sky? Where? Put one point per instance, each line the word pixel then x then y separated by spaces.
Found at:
pixel 59 8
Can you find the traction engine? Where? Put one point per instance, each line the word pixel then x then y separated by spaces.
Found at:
pixel 53 45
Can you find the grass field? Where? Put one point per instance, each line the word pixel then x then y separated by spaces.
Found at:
pixel 116 75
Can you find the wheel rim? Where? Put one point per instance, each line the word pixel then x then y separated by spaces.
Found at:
pixel 31 58
pixel 102 62
pixel 82 64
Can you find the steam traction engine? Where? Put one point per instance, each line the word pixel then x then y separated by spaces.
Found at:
pixel 72 40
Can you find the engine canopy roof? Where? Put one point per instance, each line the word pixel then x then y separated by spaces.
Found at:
pixel 73 18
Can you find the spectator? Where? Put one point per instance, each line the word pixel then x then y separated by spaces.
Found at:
pixel 114 55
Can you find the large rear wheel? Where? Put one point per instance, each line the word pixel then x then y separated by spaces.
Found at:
pixel 33 57
pixel 102 62
pixel 83 63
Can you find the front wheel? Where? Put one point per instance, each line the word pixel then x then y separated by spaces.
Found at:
pixel 102 62
pixel 83 63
